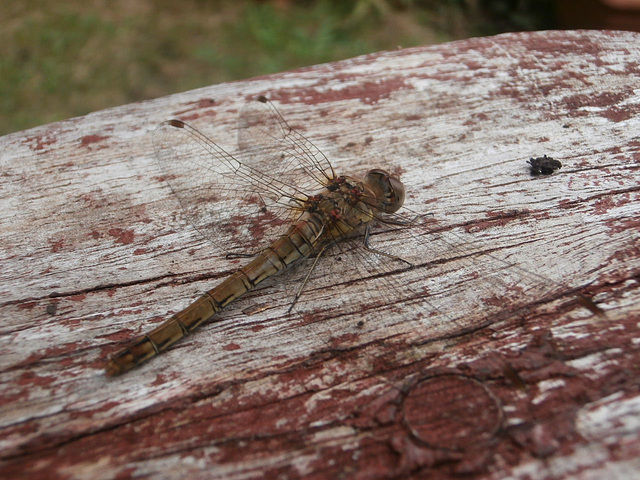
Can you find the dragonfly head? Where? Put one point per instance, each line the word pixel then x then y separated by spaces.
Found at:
pixel 388 190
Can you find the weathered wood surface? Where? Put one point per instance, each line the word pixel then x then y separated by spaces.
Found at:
pixel 94 252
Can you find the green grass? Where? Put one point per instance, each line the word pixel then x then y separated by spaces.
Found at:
pixel 68 58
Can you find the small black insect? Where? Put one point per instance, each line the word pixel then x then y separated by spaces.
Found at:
pixel 543 165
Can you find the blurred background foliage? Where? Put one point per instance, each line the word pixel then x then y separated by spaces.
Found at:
pixel 70 57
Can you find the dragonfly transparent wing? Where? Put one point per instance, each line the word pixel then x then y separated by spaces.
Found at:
pixel 266 139
pixel 453 286
pixel 224 197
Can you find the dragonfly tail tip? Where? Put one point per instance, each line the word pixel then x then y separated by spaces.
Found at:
pixel 112 369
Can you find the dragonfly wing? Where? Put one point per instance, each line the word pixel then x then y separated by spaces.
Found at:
pixel 454 285
pixel 267 141
pixel 223 197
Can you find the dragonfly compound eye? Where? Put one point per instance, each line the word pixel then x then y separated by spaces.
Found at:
pixel 389 190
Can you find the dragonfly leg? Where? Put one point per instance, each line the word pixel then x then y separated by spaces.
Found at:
pixel 404 223
pixel 379 252
pixel 306 278
pixel 590 305
pixel 232 255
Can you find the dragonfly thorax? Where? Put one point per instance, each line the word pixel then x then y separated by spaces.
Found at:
pixel 346 205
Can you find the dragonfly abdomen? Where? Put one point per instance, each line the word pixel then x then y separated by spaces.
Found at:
pixel 300 241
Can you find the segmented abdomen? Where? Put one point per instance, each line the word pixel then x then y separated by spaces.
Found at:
pixel 301 240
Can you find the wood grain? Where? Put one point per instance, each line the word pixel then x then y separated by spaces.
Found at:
pixel 490 368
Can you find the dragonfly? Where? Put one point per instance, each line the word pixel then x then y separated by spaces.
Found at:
pixel 339 207
pixel 283 190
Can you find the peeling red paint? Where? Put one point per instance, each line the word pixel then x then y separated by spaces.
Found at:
pixel 196 116
pixel 27 305
pixel 72 323
pixel 621 225
pixel 620 114
pixel 95 412
pixel 415 458
pixel 603 205
pixel 38 143
pixel 604 100
pixel 368 92
pixel 120 335
pixel 231 346
pixel 89 139
pixel 161 379
pixel 497 218
pixel 122 235
pixel 56 351
pixel 261 224
pixel 14 397
pixel 629 253
pixel 199 104
pixel 31 378
pixel 126 473
pixel 165 178
pixel 57 246
pixel 284 420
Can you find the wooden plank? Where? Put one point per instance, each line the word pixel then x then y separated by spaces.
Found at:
pixel 490 368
